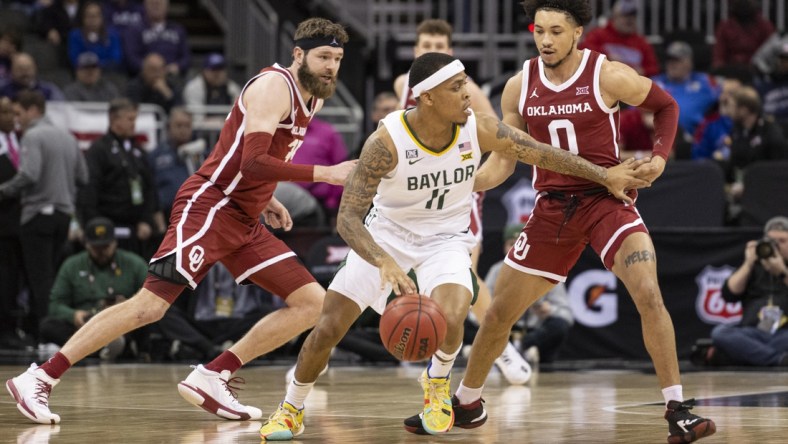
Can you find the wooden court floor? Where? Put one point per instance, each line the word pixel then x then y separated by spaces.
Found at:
pixel 140 404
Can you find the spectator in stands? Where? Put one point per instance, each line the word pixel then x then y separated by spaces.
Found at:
pixel 11 269
pixel 636 127
pixel 385 103
pixel 773 87
pixel 695 92
pixel 89 85
pixel 322 145
pixel 713 135
pixel 121 184
pixel 153 85
pixel 211 86
pixel 10 45
pixel 94 36
pixel 24 77
pixel 158 35
pixel 89 282
pixel 51 165
pixel 753 138
pixel 761 285
pixel 621 41
pixel 176 158
pixel 548 321
pixel 56 20
pixel 123 14
pixel 739 37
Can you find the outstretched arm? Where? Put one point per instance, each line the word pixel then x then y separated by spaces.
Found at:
pixel 267 102
pixel 516 144
pixel 378 158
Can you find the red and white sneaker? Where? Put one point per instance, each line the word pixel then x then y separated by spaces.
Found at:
pixel 31 392
pixel 214 393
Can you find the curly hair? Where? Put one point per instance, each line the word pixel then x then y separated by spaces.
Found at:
pixel 320 27
pixel 578 10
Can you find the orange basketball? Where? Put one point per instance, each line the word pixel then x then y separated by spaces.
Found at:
pixel 412 327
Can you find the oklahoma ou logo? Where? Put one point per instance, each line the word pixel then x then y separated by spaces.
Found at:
pixel 196 258
pixel 710 305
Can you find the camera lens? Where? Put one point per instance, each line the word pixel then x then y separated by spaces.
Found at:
pixel 764 249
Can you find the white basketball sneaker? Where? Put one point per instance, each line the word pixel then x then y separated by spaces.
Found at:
pixel 214 393
pixel 31 391
pixel 514 368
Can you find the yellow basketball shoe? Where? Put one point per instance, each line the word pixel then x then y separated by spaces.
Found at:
pixel 284 424
pixel 438 415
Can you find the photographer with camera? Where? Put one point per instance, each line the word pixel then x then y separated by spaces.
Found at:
pixel 761 284
pixel 88 282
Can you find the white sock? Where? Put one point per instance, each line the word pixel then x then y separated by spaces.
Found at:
pixel 297 393
pixel 441 363
pixel 468 395
pixel 673 393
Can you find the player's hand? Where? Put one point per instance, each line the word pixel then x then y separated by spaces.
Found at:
pixel 337 174
pixel 652 169
pixel 391 273
pixel 277 216
pixel 623 177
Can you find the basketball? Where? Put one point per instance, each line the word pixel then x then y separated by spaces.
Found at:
pixel 412 327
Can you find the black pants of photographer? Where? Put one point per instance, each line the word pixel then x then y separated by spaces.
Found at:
pixel 548 338
pixel 56 331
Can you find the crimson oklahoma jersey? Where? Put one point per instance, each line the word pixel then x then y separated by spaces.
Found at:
pixel 223 166
pixel 572 116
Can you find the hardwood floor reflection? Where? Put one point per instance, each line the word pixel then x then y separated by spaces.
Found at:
pixel 140 404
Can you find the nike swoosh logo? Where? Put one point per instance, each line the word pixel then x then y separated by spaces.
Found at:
pixel 412 161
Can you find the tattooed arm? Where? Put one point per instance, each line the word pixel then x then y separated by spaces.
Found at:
pixel 378 158
pixel 498 136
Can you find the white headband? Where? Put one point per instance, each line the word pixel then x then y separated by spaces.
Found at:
pixel 440 76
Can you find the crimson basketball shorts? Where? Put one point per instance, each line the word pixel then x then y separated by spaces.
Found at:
pixel 476 215
pixel 556 233
pixel 205 228
pixel 436 260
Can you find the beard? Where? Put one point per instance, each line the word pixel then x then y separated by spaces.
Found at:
pixel 558 63
pixel 314 83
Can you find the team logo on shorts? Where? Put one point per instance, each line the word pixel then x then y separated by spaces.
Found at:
pixel 196 258
pixel 710 305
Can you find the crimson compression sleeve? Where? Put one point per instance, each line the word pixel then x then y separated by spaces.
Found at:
pixel 257 164
pixel 666 119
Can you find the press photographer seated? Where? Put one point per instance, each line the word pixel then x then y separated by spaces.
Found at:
pixel 761 284
pixel 88 282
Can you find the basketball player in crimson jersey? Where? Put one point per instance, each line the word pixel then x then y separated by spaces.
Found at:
pixel 417 171
pixel 434 35
pixel 215 217
pixel 567 97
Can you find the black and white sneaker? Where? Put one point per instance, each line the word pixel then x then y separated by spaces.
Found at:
pixel 684 426
pixel 467 416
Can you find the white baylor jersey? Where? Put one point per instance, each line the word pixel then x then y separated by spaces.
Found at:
pixel 429 193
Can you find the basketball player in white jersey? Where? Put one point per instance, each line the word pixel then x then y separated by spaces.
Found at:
pixel 418 171
pixel 434 35
pixel 571 97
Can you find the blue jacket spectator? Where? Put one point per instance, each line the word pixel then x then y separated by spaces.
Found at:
pixel 695 92
pixel 713 136
pixel 158 35
pixel 24 77
pixel 93 36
